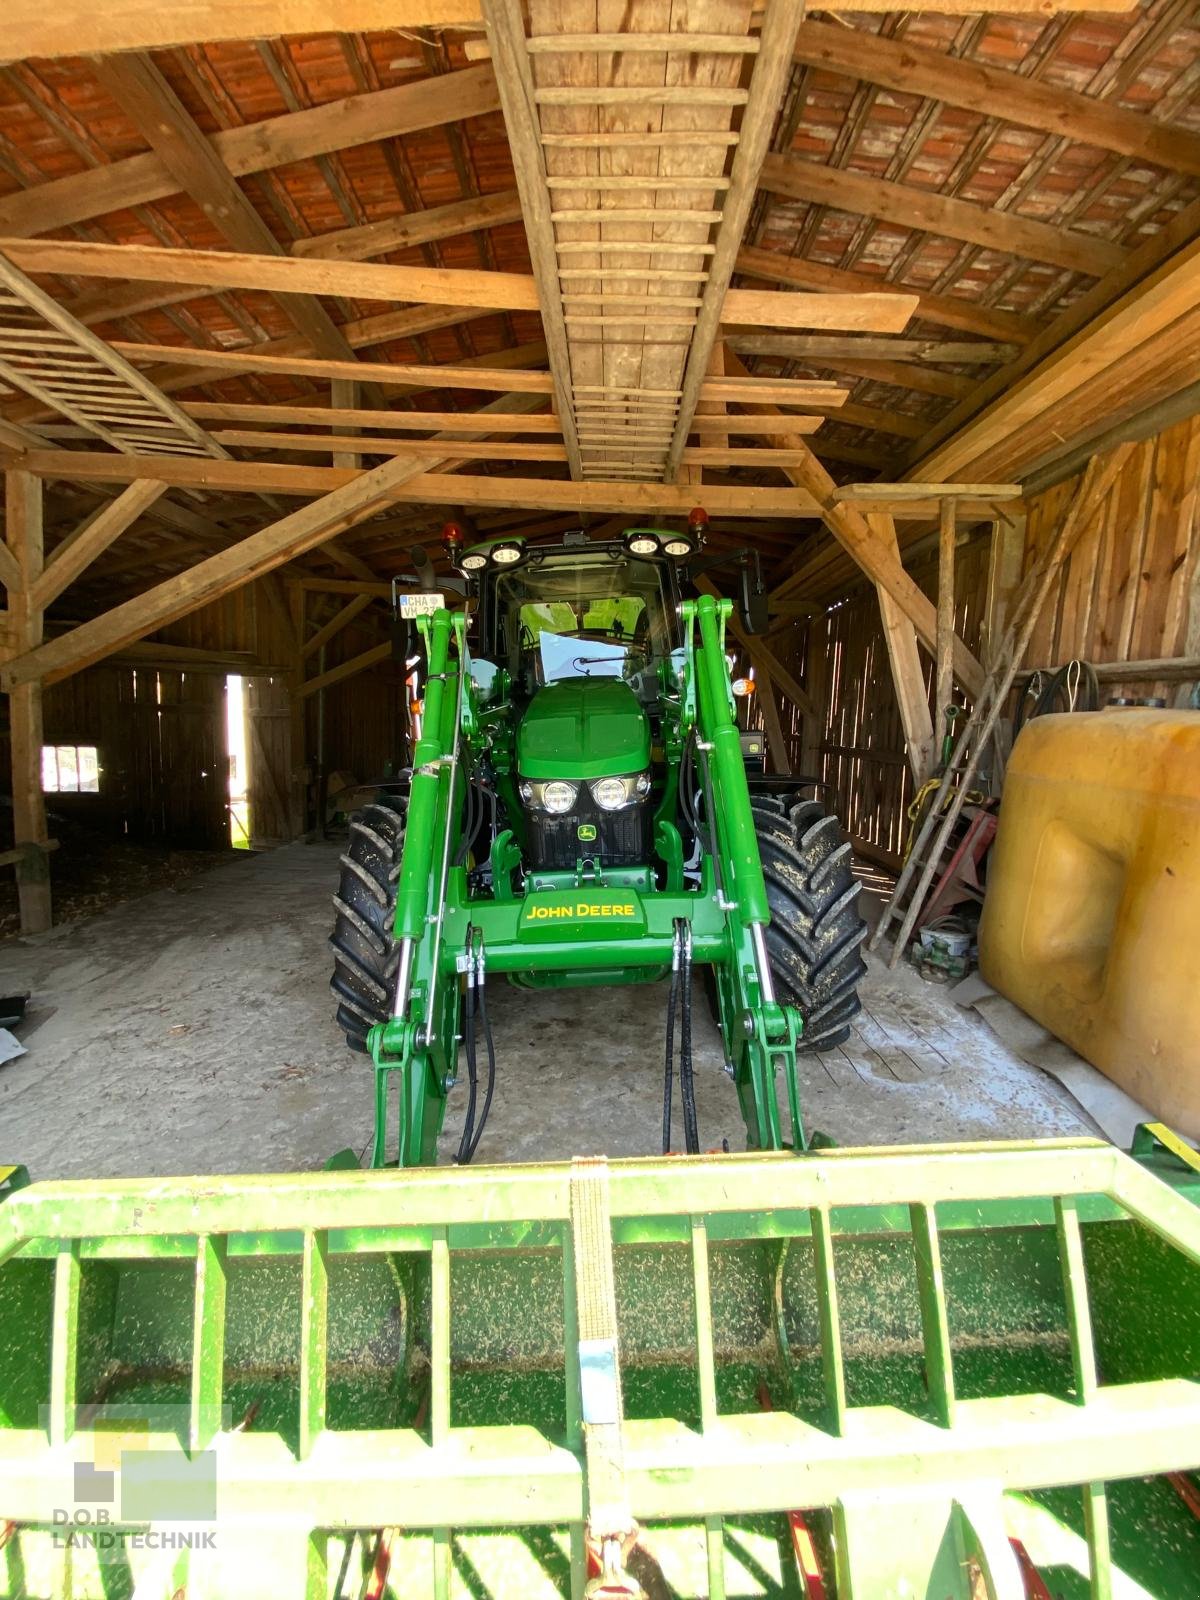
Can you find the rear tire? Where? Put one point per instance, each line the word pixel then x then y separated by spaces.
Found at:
pixel 816 931
pixel 365 955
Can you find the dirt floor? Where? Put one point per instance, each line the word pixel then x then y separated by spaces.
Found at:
pixel 191 1030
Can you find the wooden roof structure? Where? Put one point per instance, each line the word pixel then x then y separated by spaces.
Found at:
pixel 578 259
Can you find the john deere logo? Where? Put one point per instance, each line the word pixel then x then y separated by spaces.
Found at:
pixel 586 831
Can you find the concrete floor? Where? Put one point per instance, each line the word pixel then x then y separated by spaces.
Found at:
pixel 192 1030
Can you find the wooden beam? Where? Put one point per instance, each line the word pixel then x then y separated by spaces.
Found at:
pixel 413 228
pixel 341 619
pixel 341 417
pixel 944 682
pixel 772 66
pixel 904 656
pixel 344 396
pixel 803 347
pixel 102 529
pixel 338 445
pixel 254 147
pixel 948 310
pixel 23 533
pixel 901 375
pixel 261 553
pixel 988 91
pixel 347 669
pixel 254 266
pixel 882 565
pixel 34 29
pixel 220 362
pixel 377 590
pixel 438 488
pixel 906 206
pixel 765 689
pixel 785 391
pixel 147 99
pixel 1147 308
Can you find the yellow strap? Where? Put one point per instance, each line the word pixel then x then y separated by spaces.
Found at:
pixel 6 1173
pixel 1177 1146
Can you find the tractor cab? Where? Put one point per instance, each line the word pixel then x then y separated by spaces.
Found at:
pixel 584 638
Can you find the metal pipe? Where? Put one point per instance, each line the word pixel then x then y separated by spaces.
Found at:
pixel 762 961
pixel 441 910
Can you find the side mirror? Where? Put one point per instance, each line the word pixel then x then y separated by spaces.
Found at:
pixel 753 600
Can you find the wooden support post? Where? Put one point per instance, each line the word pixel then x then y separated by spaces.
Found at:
pixel 344 396
pixel 816 676
pixel 944 694
pixel 298 740
pixel 23 529
pixel 780 760
pixel 1005 554
pixel 908 675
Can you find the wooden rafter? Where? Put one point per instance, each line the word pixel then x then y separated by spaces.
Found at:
pixel 145 96
pixel 907 206
pixel 257 147
pixel 989 91
pixel 948 310
pixel 1155 305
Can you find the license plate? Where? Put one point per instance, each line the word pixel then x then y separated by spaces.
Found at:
pixel 421 605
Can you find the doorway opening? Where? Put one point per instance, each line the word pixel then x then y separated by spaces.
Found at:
pixel 239 772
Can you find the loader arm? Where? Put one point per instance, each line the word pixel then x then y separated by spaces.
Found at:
pixel 614 927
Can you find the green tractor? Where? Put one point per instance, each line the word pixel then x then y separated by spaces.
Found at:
pixel 579 813
pixel 931 1373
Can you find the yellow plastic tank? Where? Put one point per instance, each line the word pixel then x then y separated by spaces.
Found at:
pixel 1091 921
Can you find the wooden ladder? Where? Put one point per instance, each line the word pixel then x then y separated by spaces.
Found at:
pixel 46 353
pixel 942 814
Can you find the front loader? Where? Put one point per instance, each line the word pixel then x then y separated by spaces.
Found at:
pixel 579 813
pixel 934 1373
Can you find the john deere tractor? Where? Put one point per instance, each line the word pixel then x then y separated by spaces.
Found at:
pixel 935 1373
pixel 579 813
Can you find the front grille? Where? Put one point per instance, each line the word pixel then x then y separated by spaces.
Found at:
pixel 622 837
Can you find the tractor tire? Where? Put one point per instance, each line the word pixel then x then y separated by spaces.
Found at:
pixel 365 956
pixel 816 932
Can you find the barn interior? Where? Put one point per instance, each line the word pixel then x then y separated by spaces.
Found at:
pixel 897 310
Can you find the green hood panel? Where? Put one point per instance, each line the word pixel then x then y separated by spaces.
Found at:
pixel 583 728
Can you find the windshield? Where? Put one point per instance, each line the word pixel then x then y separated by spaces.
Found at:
pixel 580 613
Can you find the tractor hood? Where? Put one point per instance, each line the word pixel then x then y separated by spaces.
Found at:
pixel 583 728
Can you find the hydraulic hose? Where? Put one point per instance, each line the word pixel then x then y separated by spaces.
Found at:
pixel 491 1055
pixel 464 1143
pixel 669 1075
pixel 687 1082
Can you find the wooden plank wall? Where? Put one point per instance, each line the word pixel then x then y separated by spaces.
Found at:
pixel 859 745
pixel 161 733
pixel 1130 592
pixel 1131 581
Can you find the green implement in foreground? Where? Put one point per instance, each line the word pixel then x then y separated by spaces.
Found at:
pixel 429 1383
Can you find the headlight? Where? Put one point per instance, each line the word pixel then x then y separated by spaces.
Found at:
pixel 641 542
pixel 559 796
pixel 473 562
pixel 508 554
pixel 611 794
